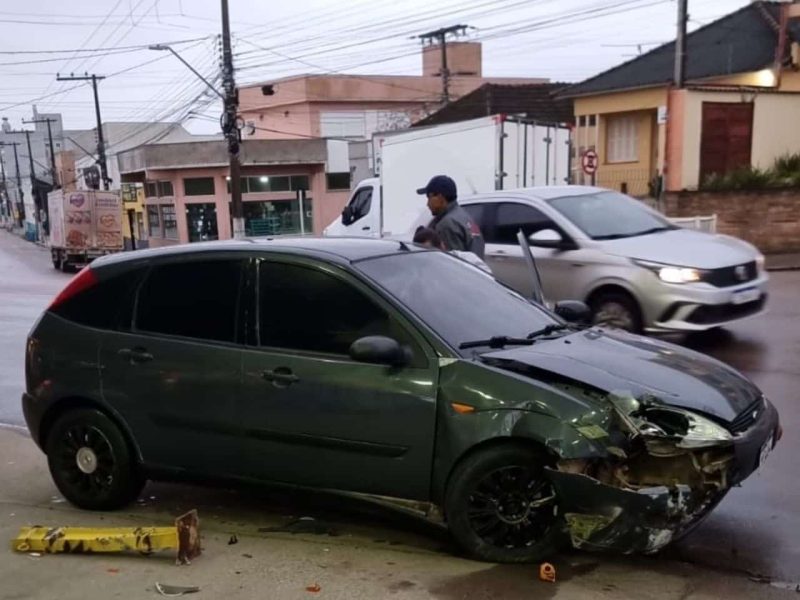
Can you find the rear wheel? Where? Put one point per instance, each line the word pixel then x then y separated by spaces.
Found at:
pixel 616 309
pixel 90 461
pixel 500 507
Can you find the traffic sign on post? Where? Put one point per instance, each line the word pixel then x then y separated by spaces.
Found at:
pixel 589 162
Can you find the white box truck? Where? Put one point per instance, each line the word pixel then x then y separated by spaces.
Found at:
pixel 84 225
pixel 481 155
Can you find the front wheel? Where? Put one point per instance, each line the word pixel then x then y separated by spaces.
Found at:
pixel 90 461
pixel 617 309
pixel 500 507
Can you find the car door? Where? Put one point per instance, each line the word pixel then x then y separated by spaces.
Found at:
pixel 175 373
pixel 312 415
pixel 504 254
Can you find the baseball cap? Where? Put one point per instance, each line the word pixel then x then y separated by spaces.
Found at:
pixel 440 184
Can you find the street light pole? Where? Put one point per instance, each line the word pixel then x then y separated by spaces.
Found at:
pixel 229 119
pixel 20 195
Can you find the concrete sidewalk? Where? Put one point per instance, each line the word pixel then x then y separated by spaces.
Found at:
pixel 370 554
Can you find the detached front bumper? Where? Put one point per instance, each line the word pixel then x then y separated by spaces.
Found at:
pixel 644 504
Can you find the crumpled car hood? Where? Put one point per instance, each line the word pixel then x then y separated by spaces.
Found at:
pixel 619 362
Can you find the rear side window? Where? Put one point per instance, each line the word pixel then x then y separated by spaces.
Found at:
pixel 106 305
pixel 197 299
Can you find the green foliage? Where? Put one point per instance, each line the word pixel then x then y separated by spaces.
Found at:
pixel 784 173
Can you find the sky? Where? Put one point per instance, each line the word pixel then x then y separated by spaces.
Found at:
pixel 563 40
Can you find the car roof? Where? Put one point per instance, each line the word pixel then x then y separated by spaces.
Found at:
pixel 336 249
pixel 548 192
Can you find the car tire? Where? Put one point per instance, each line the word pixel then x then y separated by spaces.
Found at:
pixel 616 309
pixel 486 510
pixel 91 462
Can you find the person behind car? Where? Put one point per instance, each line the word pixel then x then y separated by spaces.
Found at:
pixel 425 236
pixel 453 224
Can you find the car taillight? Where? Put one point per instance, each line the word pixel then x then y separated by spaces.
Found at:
pixel 84 280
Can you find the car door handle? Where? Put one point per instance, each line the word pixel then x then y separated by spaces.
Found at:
pixel 281 377
pixel 135 355
pixel 366 228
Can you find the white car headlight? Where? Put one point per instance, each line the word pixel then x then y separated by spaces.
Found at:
pixel 671 274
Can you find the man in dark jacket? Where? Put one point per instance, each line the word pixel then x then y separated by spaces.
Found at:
pixel 453 224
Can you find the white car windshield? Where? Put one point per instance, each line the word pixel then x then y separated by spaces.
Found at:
pixel 610 215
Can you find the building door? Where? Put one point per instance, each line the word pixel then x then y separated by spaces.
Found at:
pixel 726 137
pixel 201 222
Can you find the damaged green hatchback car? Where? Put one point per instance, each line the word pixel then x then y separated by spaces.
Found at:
pixel 386 370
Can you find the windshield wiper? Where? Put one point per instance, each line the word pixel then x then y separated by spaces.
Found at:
pixel 655 230
pixel 500 341
pixel 547 330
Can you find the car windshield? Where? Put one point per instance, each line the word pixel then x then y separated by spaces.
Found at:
pixel 609 215
pixel 457 301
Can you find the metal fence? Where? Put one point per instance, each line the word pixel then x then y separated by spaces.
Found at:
pixel 706 223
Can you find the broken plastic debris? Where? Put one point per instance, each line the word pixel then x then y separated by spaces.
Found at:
pixel 547 572
pixel 35 554
pixel 57 500
pixel 314 588
pixel 175 590
pixel 233 540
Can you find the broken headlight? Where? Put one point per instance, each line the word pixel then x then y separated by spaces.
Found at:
pixel 691 429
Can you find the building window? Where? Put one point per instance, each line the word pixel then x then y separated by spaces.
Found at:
pixel 622 140
pixel 150 189
pixel 277 217
pixel 349 124
pixel 592 120
pixel 338 181
pixel 582 121
pixel 153 221
pixel 170 221
pixel 201 222
pixel 165 189
pixel 272 183
pixel 198 186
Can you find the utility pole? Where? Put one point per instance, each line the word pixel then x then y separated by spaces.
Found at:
pixel 48 120
pixel 680 44
pixel 230 125
pixel 36 207
pixel 5 185
pixel 101 145
pixel 440 36
pixel 20 195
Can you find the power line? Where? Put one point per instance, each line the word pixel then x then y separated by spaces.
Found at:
pixel 73 50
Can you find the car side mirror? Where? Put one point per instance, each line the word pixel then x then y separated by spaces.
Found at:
pixel 573 311
pixel 550 238
pixel 380 350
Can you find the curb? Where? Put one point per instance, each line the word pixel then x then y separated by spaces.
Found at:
pixel 783 268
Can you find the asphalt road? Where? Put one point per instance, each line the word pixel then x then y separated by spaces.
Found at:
pixel 756 529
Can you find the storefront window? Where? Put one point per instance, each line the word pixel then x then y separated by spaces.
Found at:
pixel 153 221
pixel 272 183
pixel 277 217
pixel 170 221
pixel 201 221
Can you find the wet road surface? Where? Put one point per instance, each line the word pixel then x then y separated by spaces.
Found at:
pixel 756 528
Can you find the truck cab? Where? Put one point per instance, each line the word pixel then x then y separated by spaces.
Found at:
pixel 361 216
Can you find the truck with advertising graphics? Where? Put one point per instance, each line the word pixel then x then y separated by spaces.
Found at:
pixel 481 155
pixel 84 225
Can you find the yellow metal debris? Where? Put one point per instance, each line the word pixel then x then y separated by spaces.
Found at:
pixel 184 538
